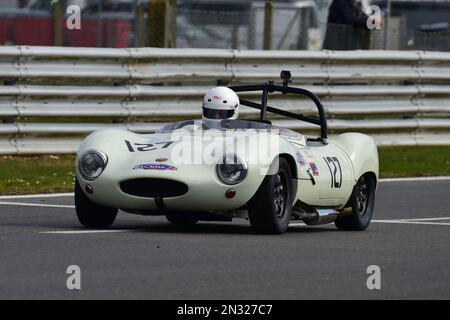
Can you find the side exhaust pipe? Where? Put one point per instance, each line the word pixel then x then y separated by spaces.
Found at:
pixel 321 216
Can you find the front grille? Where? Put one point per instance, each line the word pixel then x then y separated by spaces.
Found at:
pixel 153 187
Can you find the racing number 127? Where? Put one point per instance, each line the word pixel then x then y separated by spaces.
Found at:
pixel 142 147
pixel 335 171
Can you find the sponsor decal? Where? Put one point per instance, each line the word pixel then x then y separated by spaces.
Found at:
pixel 161 160
pixel 314 169
pixel 300 158
pixel 155 166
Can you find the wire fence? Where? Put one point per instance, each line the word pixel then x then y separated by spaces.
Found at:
pixel 225 24
pixel 245 28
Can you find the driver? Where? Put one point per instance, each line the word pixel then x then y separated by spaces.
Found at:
pixel 220 103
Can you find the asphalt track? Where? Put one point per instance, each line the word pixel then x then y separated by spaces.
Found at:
pixel 147 258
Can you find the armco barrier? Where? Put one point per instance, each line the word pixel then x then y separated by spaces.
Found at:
pixel 52 97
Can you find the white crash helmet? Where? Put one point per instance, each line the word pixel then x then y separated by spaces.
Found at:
pixel 220 103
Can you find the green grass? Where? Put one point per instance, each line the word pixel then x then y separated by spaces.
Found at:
pixel 41 174
pixel 414 161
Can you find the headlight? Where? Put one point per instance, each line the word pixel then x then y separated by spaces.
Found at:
pixel 232 169
pixel 91 164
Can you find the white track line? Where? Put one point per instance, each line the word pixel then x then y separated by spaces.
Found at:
pixel 296 224
pixel 42 195
pixel 35 205
pixel 415 179
pixel 429 221
pixel 70 194
pixel 412 222
pixel 424 219
pixel 87 231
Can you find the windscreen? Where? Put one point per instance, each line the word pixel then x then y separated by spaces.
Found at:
pixel 196 125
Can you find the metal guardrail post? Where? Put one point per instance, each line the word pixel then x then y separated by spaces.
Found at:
pixel 268 8
pixel 386 25
pixel 303 38
pixel 251 29
pixel 99 24
pixel 171 24
pixel 57 23
pixel 156 23
pixel 162 23
pixel 140 26
pixel 157 12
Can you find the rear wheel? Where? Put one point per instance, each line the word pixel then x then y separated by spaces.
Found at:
pixel 270 209
pixel 181 218
pixel 362 204
pixel 90 214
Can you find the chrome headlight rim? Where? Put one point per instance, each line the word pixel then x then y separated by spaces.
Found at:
pixel 102 155
pixel 239 161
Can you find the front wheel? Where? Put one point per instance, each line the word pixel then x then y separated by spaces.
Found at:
pixel 270 209
pixel 90 214
pixel 362 204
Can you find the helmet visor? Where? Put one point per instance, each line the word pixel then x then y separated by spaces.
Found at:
pixel 217 114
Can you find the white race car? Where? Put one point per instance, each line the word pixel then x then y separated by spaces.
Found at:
pixel 194 170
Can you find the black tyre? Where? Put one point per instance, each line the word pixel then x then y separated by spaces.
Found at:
pixel 90 214
pixel 181 218
pixel 362 203
pixel 270 209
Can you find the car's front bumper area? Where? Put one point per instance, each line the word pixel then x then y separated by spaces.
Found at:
pixel 187 189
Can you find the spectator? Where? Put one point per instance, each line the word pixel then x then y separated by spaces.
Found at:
pixel 346 27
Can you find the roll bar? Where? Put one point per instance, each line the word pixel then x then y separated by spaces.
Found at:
pixel 270 87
